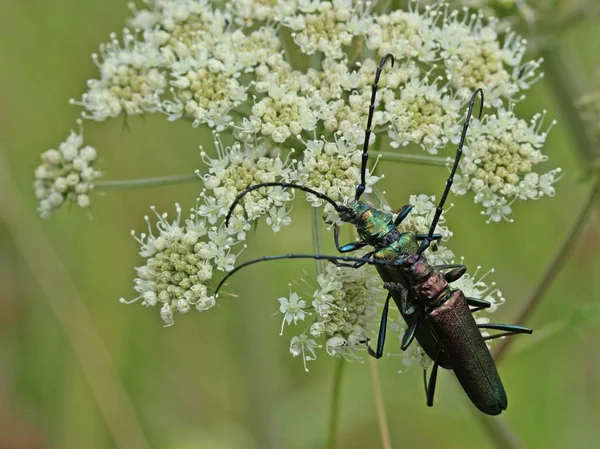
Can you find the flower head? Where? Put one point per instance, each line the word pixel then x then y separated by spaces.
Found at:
pixel 344 307
pixel 237 167
pixel 66 175
pixel 179 258
pixel 498 162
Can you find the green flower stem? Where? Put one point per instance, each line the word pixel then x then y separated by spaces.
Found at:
pixel 334 417
pixel 65 301
pixel 316 237
pixel 557 264
pixel 384 430
pixel 142 183
pixel 499 431
pixel 566 87
pixel 412 158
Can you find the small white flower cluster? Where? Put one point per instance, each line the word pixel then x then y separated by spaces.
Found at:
pixel 179 260
pixel 130 79
pixel 498 162
pixel 66 174
pixel 332 168
pixel 237 167
pixel 422 115
pixel 179 263
pixel 327 26
pixel 344 305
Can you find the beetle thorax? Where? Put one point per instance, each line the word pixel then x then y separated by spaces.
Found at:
pixel 372 225
pixel 428 282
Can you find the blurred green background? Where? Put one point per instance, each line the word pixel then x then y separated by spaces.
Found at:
pixel 79 370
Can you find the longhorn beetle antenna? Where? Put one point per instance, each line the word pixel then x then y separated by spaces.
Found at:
pixel 363 168
pixel 459 151
pixel 358 260
pixel 338 207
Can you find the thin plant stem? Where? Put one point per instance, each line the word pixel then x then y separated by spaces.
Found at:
pixel 334 414
pixel 498 430
pixel 143 183
pixel 316 237
pixel 384 431
pixel 566 86
pixel 552 271
pixel 412 158
pixel 65 301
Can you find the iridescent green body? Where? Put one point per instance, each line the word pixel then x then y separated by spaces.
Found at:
pixel 448 333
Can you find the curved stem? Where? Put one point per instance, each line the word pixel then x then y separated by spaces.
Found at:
pixel 56 284
pixel 558 262
pixel 335 403
pixel 412 158
pixel 141 183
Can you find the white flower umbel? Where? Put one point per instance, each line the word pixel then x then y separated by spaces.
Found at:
pixel 498 162
pixel 327 26
pixel 476 287
pixel 237 167
pixel 179 257
pixel 344 307
pixel 66 175
pixel 131 79
pixel 332 168
pixel 423 114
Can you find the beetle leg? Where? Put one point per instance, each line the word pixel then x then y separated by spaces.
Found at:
pixel 348 247
pixel 502 334
pixel 402 214
pixel 382 329
pixel 405 308
pixel 432 382
pixel 511 328
pixel 478 304
pixel 409 335
pixel 425 236
pixel 455 273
